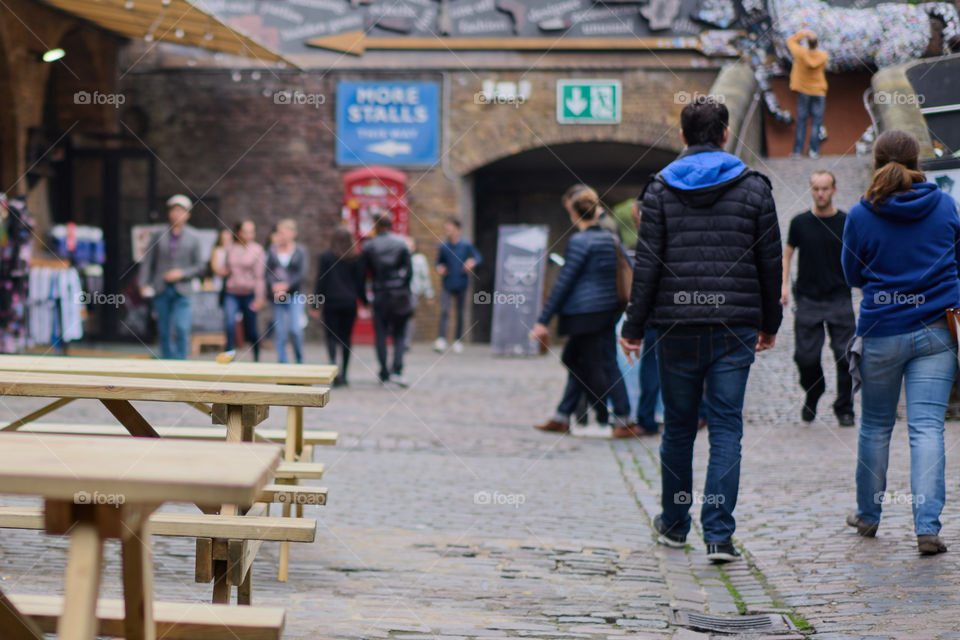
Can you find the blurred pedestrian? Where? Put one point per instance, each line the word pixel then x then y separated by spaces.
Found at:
pixel 218 261
pixel 173 259
pixel 245 290
pixel 649 376
pixel 340 286
pixel 822 298
pixel 386 259
pixel 585 299
pixel 420 285
pixel 575 397
pixel 456 261
pixel 707 277
pixel 808 78
pixel 286 268
pixel 902 248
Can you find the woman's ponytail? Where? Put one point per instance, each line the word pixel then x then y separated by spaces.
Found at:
pixel 895 165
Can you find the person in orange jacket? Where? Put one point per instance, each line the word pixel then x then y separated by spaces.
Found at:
pixel 809 79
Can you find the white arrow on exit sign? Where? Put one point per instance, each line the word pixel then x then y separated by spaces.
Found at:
pixel 588 101
pixel 576 102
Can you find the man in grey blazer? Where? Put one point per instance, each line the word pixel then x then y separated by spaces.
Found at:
pixel 173 259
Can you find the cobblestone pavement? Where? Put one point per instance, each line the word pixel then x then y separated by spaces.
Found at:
pixel 449 517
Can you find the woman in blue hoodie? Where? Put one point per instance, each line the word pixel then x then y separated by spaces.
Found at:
pixel 902 248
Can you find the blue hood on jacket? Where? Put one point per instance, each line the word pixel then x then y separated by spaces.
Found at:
pixel 702 169
pixel 908 206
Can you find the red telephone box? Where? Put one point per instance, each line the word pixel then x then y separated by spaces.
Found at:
pixel 368 192
pixel 373 190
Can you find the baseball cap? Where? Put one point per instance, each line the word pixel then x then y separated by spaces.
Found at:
pixel 179 200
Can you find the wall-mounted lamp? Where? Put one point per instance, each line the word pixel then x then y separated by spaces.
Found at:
pixel 52 55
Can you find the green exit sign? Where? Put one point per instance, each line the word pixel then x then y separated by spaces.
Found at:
pixel 588 101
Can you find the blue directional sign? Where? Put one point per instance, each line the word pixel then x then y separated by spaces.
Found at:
pixel 388 123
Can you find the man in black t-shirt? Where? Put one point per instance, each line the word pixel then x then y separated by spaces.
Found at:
pixel 822 298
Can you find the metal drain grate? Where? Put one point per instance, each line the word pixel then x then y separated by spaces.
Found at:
pixel 765 623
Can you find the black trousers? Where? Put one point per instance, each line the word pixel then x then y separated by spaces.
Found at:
pixel 583 356
pixel 811 319
pixel 387 324
pixel 338 324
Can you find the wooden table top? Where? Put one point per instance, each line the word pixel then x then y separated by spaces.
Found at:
pixel 305 374
pixel 58 385
pixel 141 470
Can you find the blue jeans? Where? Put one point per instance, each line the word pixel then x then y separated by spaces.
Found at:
pixel 232 305
pixel 649 383
pixel 173 315
pixel 926 362
pixel 286 323
pixel 813 107
pixel 688 357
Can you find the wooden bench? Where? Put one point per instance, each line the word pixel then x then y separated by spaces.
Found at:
pixel 226 545
pixel 321 438
pixel 172 620
pixel 69 473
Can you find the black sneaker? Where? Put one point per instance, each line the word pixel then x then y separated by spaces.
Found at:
pixel 719 552
pixel 846 419
pixel 808 414
pixel 675 540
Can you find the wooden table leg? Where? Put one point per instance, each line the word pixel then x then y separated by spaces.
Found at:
pixel 236 432
pixel 81 584
pixel 137 576
pixel 221 588
pixel 245 589
pixel 39 413
pixel 290 454
pixel 15 625
pixel 130 418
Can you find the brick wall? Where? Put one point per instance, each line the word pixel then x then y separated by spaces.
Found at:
pixel 219 133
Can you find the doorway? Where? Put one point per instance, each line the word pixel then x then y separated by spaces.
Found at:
pixel 526 188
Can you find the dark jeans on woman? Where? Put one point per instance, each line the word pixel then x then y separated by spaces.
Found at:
pixel 240 303
pixel 614 387
pixel 812 107
pixel 387 324
pixel 338 324
pixel 690 357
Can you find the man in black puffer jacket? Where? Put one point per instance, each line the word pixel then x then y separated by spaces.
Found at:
pixel 707 277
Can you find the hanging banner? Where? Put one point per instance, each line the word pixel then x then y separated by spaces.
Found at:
pixel 517 298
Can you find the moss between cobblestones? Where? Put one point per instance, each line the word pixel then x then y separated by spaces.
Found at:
pixel 797 619
pixel 737 598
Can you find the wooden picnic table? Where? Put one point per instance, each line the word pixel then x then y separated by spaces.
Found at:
pixel 238 405
pixel 100 488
